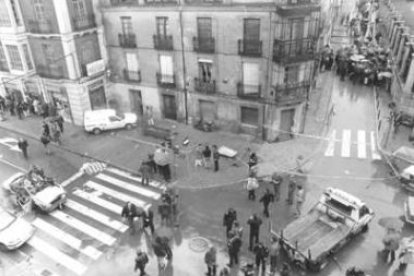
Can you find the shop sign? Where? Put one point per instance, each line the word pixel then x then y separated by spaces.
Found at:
pixel 95 67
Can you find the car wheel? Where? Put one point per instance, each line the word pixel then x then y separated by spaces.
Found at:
pixel 96 131
pixel 128 126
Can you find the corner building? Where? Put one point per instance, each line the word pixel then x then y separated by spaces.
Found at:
pixel 247 65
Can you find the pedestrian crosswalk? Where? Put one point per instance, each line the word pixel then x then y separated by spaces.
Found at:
pixel 352 144
pixel 90 224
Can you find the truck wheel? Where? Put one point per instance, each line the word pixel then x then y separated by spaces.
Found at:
pixel 96 131
pixel 364 228
pixel 128 126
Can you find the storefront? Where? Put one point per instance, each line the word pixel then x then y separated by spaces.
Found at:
pixel 97 95
pixel 13 90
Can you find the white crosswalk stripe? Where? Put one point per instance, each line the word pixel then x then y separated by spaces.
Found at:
pixel 352 144
pixel 98 201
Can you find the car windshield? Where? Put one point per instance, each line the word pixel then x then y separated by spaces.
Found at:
pixel 344 209
pixel 120 115
pixel 5 219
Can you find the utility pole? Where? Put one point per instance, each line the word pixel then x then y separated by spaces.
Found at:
pixel 184 66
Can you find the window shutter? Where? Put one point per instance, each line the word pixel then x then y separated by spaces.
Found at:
pixel 167 71
pixel 252 29
pixel 132 62
pixel 251 78
pixel 204 27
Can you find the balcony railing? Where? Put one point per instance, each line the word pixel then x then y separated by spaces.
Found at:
pixel 41 27
pixel 250 92
pixel 51 72
pixel 252 48
pixel 132 76
pixel 291 92
pixel 163 42
pixel 205 87
pixel 127 40
pixel 161 2
pixel 82 23
pixel 292 7
pixel 166 81
pixel 204 44
pixel 295 50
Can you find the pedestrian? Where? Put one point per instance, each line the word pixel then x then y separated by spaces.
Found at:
pixel 291 191
pixel 164 209
pixel 174 208
pixel 19 110
pixel 276 181
pixel 251 186
pixel 22 144
pixel 148 220
pixel 266 199
pixel 253 160
pixel 300 198
pixel 210 258
pixel 286 270
pixel 274 252
pixel 130 212
pixel 45 141
pixel 254 222
pixel 45 129
pixel 56 134
pixel 237 229
pixel 160 251
pixel 45 110
pixel 234 244
pixel 198 156
pixel 145 171
pixel 261 254
pixel 207 157
pixel 228 219
pixel 391 244
pixel 59 121
pixel 216 157
pixel 141 261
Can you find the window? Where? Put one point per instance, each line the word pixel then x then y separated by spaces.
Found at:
pixel 79 9
pixel 15 59
pixel 204 27
pixel 15 12
pixel 252 29
pixel 250 78
pixel 250 115
pixel 3 61
pixel 291 74
pixel 126 25
pixel 162 26
pixel 27 57
pixel 204 69
pixel 167 71
pixel 4 14
pixel 132 62
pixel 295 28
pixel 39 10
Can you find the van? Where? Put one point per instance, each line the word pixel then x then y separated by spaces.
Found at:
pixel 96 121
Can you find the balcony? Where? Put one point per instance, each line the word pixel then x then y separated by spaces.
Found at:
pixel 132 76
pixel 291 93
pixel 166 81
pixel 249 92
pixel 83 23
pixel 250 48
pixel 127 40
pixel 204 44
pixel 51 72
pixel 160 2
pixel 295 50
pixel 205 87
pixel 295 7
pixel 41 27
pixel 163 42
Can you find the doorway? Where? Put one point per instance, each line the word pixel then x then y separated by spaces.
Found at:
pixel 135 98
pixel 170 107
pixel 286 123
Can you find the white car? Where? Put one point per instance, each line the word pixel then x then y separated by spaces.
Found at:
pixel 14 232
pixel 96 121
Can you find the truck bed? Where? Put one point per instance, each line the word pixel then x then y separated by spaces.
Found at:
pixel 315 231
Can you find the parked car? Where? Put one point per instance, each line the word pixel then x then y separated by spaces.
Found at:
pixel 409 210
pixel 96 121
pixel 14 231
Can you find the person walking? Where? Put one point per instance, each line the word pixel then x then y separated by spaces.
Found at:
pixel 291 191
pixel 45 140
pixel 164 209
pixel 234 244
pixel 236 230
pixel 228 219
pixel 261 254
pixel 254 222
pixel 45 129
pixel 251 186
pixel 276 182
pixel 59 121
pixel 207 157
pixel 148 220
pixel 198 156
pixel 22 144
pixel 145 171
pixel 216 157
pixel 210 258
pixel 160 251
pixel 224 272
pixel 391 244
pixel 130 212
pixel 274 252
pixel 19 109
pixel 141 261
pixel 300 198
pixel 253 160
pixel 266 199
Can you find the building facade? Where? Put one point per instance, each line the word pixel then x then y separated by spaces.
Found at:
pixel 246 65
pixel 67 68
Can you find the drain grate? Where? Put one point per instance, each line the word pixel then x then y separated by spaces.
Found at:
pixel 199 244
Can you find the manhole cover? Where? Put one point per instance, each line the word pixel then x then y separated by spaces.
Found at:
pixel 199 244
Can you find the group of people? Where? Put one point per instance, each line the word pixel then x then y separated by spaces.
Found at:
pixel 206 157
pixel 17 106
pixel 52 129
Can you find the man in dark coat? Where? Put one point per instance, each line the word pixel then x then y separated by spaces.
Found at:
pixel 148 219
pixel 291 191
pixel 145 171
pixel 130 212
pixel 277 181
pixel 228 219
pixel 216 157
pixel 266 199
pixel 161 251
pixel 22 144
pixel 141 261
pixel 59 121
pixel 46 129
pixel 261 252
pixel 254 221
pixel 234 245
pixel 164 209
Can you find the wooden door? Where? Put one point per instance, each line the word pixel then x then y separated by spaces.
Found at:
pixel 170 107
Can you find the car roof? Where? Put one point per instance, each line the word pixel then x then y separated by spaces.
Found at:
pixel 100 112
